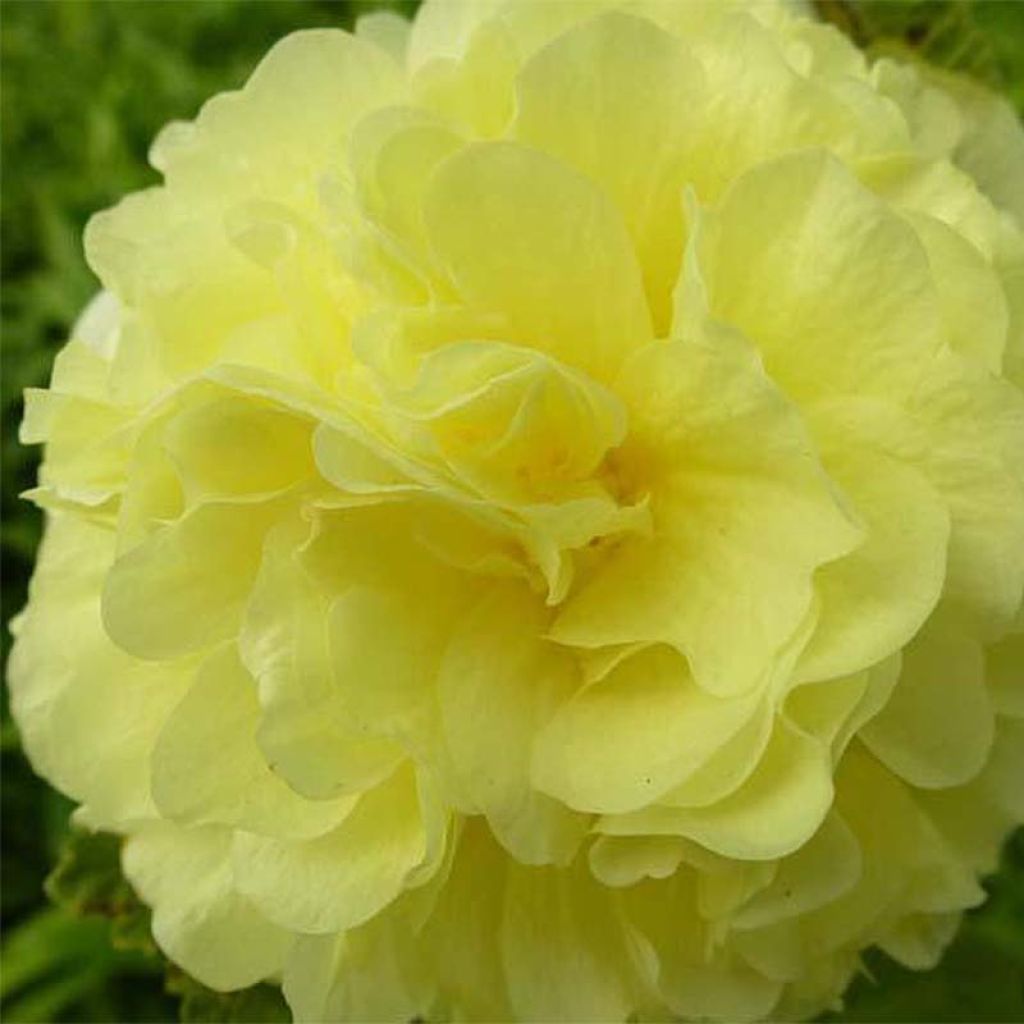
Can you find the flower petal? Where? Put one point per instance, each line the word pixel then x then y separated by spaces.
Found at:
pixel 611 98
pixel 626 860
pixel 937 727
pixel 876 598
pixel 341 879
pixel 499 683
pixel 799 250
pixel 823 868
pixel 184 588
pixel 628 739
pixel 777 809
pixel 743 516
pixel 1005 675
pixel 303 729
pixel 88 713
pixel 217 722
pixel 198 916
pixel 564 277
pixel 565 952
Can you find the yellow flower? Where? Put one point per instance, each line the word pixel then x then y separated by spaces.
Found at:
pixel 536 517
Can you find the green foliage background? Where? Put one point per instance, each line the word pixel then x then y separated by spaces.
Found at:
pixel 86 84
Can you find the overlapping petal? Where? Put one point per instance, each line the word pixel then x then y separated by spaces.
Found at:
pixel 536 518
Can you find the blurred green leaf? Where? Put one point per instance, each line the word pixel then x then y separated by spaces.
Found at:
pixel 261 1004
pixel 88 880
pixel 980 38
pixel 55 959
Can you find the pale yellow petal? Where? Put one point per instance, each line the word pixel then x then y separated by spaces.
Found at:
pixel 565 278
pixel 185 587
pixel 344 877
pixel 661 725
pixel 971 297
pixel 463 935
pixel 442 28
pixel 937 727
pixel 626 860
pixel 198 915
pixel 774 812
pixel 212 444
pixel 876 598
pixel 613 98
pixel 743 515
pixel 823 868
pixel 88 713
pixel 304 74
pixel 1003 775
pixel 216 723
pixel 371 973
pixel 695 979
pixel 303 729
pixel 565 952
pixel 832 286
pixel 500 681
pixel 387 30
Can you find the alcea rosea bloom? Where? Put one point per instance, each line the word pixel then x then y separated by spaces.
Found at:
pixel 536 517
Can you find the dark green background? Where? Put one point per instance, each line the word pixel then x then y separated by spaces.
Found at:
pixel 85 87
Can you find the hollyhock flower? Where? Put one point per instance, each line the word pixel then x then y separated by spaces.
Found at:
pixel 536 517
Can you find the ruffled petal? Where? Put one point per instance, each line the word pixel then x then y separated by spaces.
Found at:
pixel 211 444
pixel 625 741
pixel 825 867
pixel 937 727
pixel 743 517
pixel 565 278
pixel 185 587
pixel 864 308
pixel 217 722
pixel 876 598
pixel 198 915
pixel 565 953
pixel 343 878
pixel 626 860
pixel 612 97
pixel 113 705
pixel 303 729
pixel 499 683
pixel 777 809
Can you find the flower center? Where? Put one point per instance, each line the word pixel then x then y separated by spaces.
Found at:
pixel 522 445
